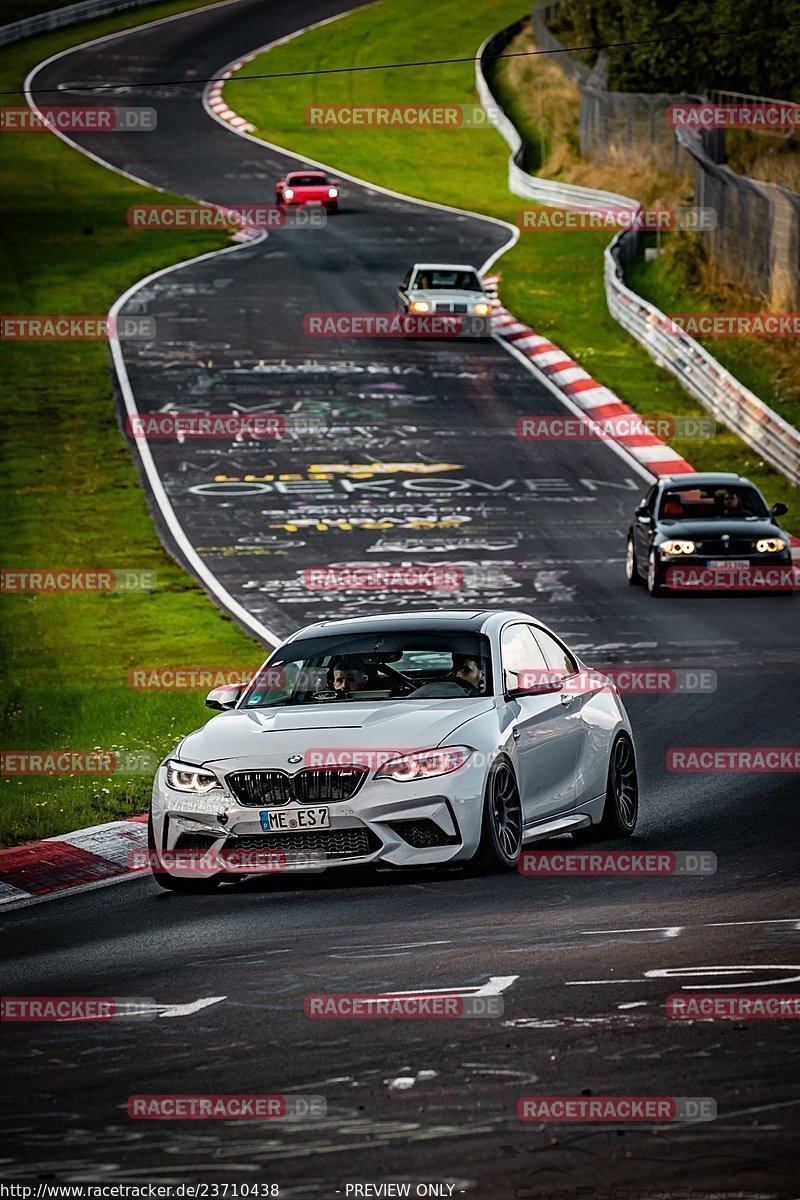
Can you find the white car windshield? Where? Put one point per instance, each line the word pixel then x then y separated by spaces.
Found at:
pixel 400 666
pixel 429 279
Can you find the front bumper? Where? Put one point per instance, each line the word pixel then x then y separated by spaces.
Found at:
pixel 397 824
pixel 762 572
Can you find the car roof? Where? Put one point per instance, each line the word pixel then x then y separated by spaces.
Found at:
pixel 700 477
pixel 309 171
pixel 444 267
pixel 450 620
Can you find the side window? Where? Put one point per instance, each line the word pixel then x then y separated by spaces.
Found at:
pixel 519 652
pixel 556 656
pixel 650 499
pixel 407 279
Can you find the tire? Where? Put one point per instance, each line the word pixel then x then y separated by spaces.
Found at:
pixel 621 807
pixel 654 585
pixel 631 565
pixel 501 837
pixel 174 883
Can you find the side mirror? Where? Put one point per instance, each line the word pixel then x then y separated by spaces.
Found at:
pixel 534 682
pixel 642 510
pixel 224 697
pixel 779 509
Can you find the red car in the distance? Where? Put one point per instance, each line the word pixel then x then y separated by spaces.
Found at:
pixel 308 187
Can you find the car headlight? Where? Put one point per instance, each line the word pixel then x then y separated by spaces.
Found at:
pixel 678 547
pixel 183 778
pixel 418 306
pixel 424 764
pixel 333 193
pixel 482 310
pixel 770 545
pixel 288 193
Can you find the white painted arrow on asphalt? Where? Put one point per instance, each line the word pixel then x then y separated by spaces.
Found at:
pixel 493 987
pixel 173 1010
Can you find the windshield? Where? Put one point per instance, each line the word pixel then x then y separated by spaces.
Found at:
pixel 400 666
pixel 712 503
pixel 460 281
pixel 306 180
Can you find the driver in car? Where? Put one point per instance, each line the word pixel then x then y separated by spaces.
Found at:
pixel 349 675
pixel 731 503
pixel 469 671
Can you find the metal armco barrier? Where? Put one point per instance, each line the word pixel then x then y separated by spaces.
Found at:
pixel 729 401
pixel 57 18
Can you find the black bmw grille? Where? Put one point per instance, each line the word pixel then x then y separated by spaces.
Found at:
pixel 716 546
pixel 454 308
pixel 325 785
pixel 423 834
pixel 335 843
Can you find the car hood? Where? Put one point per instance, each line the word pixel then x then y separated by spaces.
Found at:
pixel 696 531
pixel 447 296
pixel 256 734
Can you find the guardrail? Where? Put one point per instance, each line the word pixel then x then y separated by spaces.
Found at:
pixel 700 374
pixel 57 18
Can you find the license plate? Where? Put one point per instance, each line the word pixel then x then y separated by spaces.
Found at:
pixel 728 564
pixel 292 820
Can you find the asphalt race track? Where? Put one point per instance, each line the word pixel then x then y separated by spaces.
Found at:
pixel 585 965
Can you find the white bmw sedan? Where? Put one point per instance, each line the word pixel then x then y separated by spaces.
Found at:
pixel 403 740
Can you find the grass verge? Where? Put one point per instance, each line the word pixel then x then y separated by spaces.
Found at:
pixel 545 107
pixel 553 279
pixel 72 493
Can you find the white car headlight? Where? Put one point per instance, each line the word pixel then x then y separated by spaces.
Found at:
pixel 183 778
pixel 288 193
pixel 482 309
pixel 418 306
pixel 678 547
pixel 424 764
pixel 333 193
pixel 770 545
